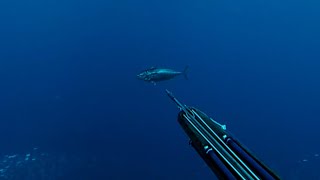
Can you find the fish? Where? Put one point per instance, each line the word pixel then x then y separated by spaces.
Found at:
pixel 154 74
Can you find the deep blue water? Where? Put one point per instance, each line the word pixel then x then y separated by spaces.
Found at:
pixel 69 89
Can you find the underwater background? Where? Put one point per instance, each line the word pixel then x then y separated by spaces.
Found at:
pixel 71 106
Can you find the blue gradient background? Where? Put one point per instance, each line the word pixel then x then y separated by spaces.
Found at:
pixel 67 73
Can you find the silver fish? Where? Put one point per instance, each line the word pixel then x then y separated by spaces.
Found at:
pixel 154 75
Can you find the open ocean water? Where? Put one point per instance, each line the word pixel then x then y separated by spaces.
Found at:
pixel 71 106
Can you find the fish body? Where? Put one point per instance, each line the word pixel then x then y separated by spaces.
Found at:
pixel 154 74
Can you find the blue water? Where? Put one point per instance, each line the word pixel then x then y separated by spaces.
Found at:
pixel 72 108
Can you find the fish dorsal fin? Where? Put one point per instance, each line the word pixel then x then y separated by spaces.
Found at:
pixel 152 68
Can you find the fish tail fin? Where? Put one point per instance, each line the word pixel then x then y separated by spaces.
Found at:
pixel 185 72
